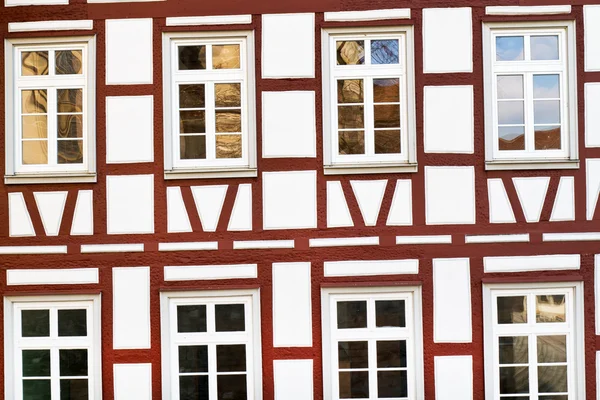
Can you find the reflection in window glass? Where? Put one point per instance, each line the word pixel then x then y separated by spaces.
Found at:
pixel 510 48
pixel 68 62
pixel 35 323
pixel 230 318
pixel 350 52
pixel 351 314
pixel 550 308
pixel 513 349
pixel 544 47
pixel 512 310
pixel 191 57
pixel 226 56
pixel 384 51
pixel 34 63
pixel 514 380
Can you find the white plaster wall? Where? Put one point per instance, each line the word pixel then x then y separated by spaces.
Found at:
pixel 447 40
pixel 449 195
pixel 564 203
pixel 177 217
pixel 131 308
pixel 338 213
pixel 290 200
pixel 130 204
pixel 209 203
pixel 532 193
pixel 592 185
pixel 452 300
pixel 54 276
pixel 453 377
pixel 293 379
pixel 501 211
pixel 241 214
pixel 51 206
pixel 133 381
pixel 19 221
pixel 401 208
pixel 592 116
pixel 369 195
pixel 129 51
pixel 591 24
pixel 83 217
pixel 129 129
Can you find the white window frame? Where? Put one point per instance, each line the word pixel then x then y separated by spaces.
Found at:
pixel 13 344
pixel 413 333
pixel 251 337
pixel 567 156
pixel 14 171
pixel 181 169
pixel 406 161
pixel 573 328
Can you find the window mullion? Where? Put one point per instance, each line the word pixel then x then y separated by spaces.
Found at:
pixel 372 360
pixel 533 362
pixel 212 372
pixel 54 373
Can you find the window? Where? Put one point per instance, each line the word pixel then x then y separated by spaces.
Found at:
pixel 211 345
pixel 50 109
pixel 368 100
pixel 534 341
pixel 52 347
pixel 530 93
pixel 209 104
pixel 372 343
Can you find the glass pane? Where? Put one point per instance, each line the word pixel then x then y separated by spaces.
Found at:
pixel 192 147
pixel 35 126
pixel 511 138
pixel 551 349
pixel 35 152
pixel 351 142
pixel 550 308
pixel 73 389
pixel 35 323
pixel 384 51
pixel 36 389
pixel 552 379
pixel 513 350
pixel 192 57
pixel 191 96
pixel 554 397
pixel 226 56
pixel 387 142
pixel 350 52
pixel 70 152
pixel 391 353
pixel 70 126
pixel 73 362
pixel 228 120
pixel 510 48
pixel 70 100
pixel 392 384
pixel 511 113
pixel 231 358
pixel 72 322
pixel 386 90
pixel 34 63
pixel 510 87
pixel 36 363
pixel 351 314
pixel 230 318
pixel 193 358
pixel 351 117
pixel 352 355
pixel 231 387
pixel 354 385
pixel 544 47
pixel 387 116
pixel 34 101
pixel 68 62
pixel 350 91
pixel 191 318
pixel 229 146
pixel 547 137
pixel 390 313
pixel 514 380
pixel 192 121
pixel 546 112
pixel 512 310
pixel 228 95
pixel 546 86
pixel 193 387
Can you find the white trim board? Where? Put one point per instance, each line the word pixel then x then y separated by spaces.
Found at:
pixel 263 244
pixel 370 15
pixel 207 272
pixel 531 263
pixel 511 238
pixel 113 248
pixel 571 237
pixel 527 10
pixel 33 249
pixel 188 246
pixel 350 241
pixel 69 276
pixel 425 239
pixel 62 25
pixel 210 20
pixel 371 267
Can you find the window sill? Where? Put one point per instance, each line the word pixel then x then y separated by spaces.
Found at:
pixel 49 177
pixel 211 173
pixel 505 165
pixel 352 169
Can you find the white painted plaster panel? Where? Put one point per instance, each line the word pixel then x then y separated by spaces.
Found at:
pixel 369 195
pixel 131 308
pixel 447 40
pixel 515 238
pixel 288 45
pixel 289 127
pixel 597 291
pixel 371 267
pixel 564 203
pixel 571 237
pixel 263 244
pixel 452 300
pixel 209 203
pixel 33 249
pixel 290 200
pixel 241 215
pixel 401 208
pixel 133 381
pixel 424 239
pixel 19 221
pixel 527 10
pixel 591 24
pixel 210 20
pixel 592 187
pixel 449 122
pixel 129 129
pixel 209 272
pixel 338 213
pixel 532 193
pixel 370 15
pixel 54 276
pixel 592 116
pixel 292 315
pixel 531 263
pixel 113 248
pixel 83 217
pixel 61 25
pixel 177 216
pixel 12 3
pixel 501 211
pixel 450 195
pixel 130 204
pixel 129 51
pixel 598 375
pixel 51 206
pixel 293 379
pixel 347 241
pixel 188 246
pixel 453 377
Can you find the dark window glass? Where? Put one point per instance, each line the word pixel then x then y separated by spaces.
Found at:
pixel 73 389
pixel 192 57
pixel 351 314
pixel 514 380
pixel 354 385
pixel 230 318
pixel 513 350
pixel 512 310
pixel 390 313
pixel 36 389
pixel 35 323
pixel 231 387
pixel 193 387
pixel 73 362
pixel 353 355
pixel 552 379
pixel 391 354
pixel 193 358
pixel 36 363
pixel 392 384
pixel 191 318
pixel 231 358
pixel 72 323
pixel 551 349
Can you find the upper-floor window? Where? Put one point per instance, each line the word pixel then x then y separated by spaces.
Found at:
pixel 530 95
pixel 368 99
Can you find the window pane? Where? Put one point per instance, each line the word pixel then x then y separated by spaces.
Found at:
pixel 193 387
pixel 70 152
pixel 68 62
pixel 73 389
pixel 73 362
pixel 36 389
pixel 231 358
pixel 34 101
pixel 512 310
pixel 547 137
pixel 192 147
pixel 350 52
pixel 387 142
pixel 546 112
pixel 544 47
pixel 386 90
pixel 351 314
pixel 392 384
pixel 510 87
pixel 546 86
pixel 229 146
pixel 34 63
pixel 192 121
pixel 192 57
pixel 511 113
pixel 351 142
pixel 230 318
pixel 352 355
pixel 551 349
pixel 390 313
pixel 36 363
pixel 391 353
pixel 34 126
pixel 35 323
pixel 191 318
pixel 191 96
pixel 511 137
pixel 193 358
pixel 513 350
pixel 550 308
pixel 70 100
pixel 350 91
pixel 509 48
pixel 231 387
pixel 35 152
pixel 387 116
pixel 228 120
pixel 351 117
pixel 228 95
pixel 553 397
pixel 384 51
pixel 226 56
pixel 70 126
pixel 514 380
pixel 72 323
pixel 354 385
pixel 552 379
